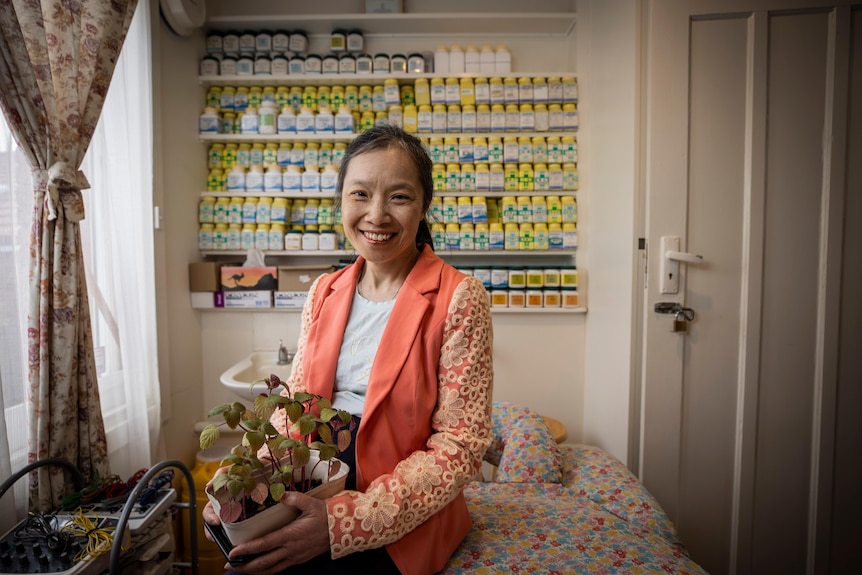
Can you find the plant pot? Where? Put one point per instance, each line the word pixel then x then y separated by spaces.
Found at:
pixel 280 515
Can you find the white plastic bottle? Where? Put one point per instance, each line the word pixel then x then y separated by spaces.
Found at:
pixel 272 179
pixel 441 60
pixel 502 60
pixel 323 122
pixel 311 179
pixel 209 121
pixel 291 179
pixel 286 122
pixel 267 118
pixel 236 179
pixel 456 60
pixel 329 179
pixel 250 121
pixel 254 179
pixel 344 121
pixel 305 121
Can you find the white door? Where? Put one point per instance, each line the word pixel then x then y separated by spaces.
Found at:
pixel 746 147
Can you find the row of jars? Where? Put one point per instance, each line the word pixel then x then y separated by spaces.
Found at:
pixel 449 177
pixel 524 277
pixel 362 98
pixel 279 236
pixel 321 211
pixel 534 298
pixel 284 154
pixel 425 119
pixel 509 237
pixel 506 210
pixel 448 150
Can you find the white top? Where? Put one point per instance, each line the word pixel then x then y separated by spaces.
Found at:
pixel 362 335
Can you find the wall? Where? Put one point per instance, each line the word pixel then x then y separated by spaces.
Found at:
pixel 540 360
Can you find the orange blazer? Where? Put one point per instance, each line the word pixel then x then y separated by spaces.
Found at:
pixel 427 417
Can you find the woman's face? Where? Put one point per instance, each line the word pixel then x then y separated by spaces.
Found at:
pixel 382 205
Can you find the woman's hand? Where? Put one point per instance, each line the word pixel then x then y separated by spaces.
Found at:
pixel 303 539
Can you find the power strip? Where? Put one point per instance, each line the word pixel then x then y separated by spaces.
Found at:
pixel 22 552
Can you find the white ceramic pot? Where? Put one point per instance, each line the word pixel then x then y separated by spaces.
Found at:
pixel 280 515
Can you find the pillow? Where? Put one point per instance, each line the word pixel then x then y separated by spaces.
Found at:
pixel 523 448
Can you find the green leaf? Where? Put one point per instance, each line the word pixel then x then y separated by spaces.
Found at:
pixel 301 455
pixel 325 433
pixel 302 396
pixel 209 436
pixel 327 452
pixel 234 415
pixel 220 481
pixel 218 410
pixel 276 491
pixel 327 413
pixel 344 416
pixel 288 443
pixel 294 411
pixel 323 403
pixel 233 458
pixel 254 439
pixel 235 486
pixel 306 424
pixel 269 429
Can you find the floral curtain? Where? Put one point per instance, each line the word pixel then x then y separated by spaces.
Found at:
pixel 56 62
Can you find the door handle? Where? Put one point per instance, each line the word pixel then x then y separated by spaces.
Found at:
pixel 683 257
pixel 671 256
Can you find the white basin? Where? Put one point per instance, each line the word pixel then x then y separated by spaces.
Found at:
pixel 259 365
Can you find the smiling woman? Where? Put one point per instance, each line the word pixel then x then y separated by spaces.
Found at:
pixel 402 341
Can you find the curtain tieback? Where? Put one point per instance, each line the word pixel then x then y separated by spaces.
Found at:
pixel 62 177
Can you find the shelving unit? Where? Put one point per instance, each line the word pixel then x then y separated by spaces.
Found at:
pixel 408 25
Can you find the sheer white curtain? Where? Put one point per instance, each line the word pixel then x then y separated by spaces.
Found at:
pixel 118 241
pixel 16 206
pixel 118 252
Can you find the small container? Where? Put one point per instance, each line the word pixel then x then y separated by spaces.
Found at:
pixel 517 278
pixel 280 41
pixel 415 63
pixel 569 297
pixel 456 60
pixel 517 298
pixel 347 64
pixel 280 65
pixel 209 66
pixel 313 64
pixel 338 41
pixel 298 42
pixel 245 65
pixel 500 298
pixel 551 298
pixel 330 64
pixel 355 41
pixel 441 60
pixel 364 64
pixel 296 65
pixel 398 64
pixel 534 298
pixel 381 63
pixel 502 60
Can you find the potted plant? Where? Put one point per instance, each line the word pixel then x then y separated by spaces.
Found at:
pixel 247 493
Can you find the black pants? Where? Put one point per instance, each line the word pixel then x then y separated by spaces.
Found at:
pixel 371 562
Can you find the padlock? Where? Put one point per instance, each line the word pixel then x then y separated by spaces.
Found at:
pixel 680 324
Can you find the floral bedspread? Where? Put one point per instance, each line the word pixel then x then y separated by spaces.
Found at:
pixel 599 519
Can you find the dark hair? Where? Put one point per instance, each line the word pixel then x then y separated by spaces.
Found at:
pixel 384 137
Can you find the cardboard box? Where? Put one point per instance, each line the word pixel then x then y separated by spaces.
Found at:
pixel 300 278
pixel 237 278
pixel 206 276
pixel 248 299
pixel 290 299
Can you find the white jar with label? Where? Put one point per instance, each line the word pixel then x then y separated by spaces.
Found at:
pixel 254 179
pixel 209 121
pixel 272 179
pixel 250 121
pixel 502 60
pixel 311 179
pixel 286 121
pixel 329 179
pixel 236 179
pixel 324 122
pixel 267 118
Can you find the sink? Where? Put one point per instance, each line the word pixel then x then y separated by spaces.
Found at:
pixel 259 365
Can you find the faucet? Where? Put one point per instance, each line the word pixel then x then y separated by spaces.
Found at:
pixel 284 356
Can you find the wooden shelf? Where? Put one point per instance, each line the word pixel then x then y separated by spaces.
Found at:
pixel 506 24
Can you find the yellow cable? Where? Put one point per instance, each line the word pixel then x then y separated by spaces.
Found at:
pixel 99 539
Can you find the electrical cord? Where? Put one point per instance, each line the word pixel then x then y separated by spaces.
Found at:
pixel 148 495
pixel 43 528
pixel 100 537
